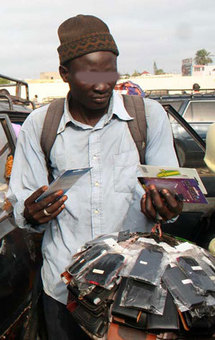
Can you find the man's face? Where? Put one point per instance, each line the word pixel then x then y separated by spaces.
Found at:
pixel 91 79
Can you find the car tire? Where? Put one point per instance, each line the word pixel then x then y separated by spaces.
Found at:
pixel 181 155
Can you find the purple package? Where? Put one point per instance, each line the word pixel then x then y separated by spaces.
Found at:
pixel 186 189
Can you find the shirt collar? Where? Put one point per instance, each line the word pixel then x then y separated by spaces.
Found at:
pixel 116 107
pixel 67 117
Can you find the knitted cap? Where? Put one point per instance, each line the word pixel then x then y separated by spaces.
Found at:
pixel 84 34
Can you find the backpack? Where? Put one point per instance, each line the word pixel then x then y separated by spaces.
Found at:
pixel 135 107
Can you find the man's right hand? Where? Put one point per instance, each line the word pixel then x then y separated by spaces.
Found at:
pixel 45 210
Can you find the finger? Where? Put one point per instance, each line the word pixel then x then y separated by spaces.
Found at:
pixel 143 203
pixel 52 208
pixel 158 207
pixel 31 199
pixel 45 219
pixel 36 207
pixel 160 212
pixel 50 199
pixel 34 213
pixel 174 205
pixel 166 213
pixel 147 206
pixel 155 197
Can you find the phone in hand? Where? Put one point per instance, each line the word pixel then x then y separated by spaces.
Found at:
pixel 64 182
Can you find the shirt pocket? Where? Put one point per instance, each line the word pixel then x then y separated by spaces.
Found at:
pixel 125 171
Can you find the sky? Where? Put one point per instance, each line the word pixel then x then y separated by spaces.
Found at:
pixel 146 31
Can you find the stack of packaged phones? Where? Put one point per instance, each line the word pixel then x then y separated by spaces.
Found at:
pixel 142 282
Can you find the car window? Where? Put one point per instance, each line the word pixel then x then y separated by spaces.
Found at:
pixel 175 104
pixel 189 152
pixel 203 111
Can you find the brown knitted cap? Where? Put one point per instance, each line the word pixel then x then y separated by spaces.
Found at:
pixel 84 34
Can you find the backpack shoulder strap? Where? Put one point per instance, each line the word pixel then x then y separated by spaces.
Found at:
pixel 49 131
pixel 138 127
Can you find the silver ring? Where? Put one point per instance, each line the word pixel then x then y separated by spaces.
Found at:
pixel 46 213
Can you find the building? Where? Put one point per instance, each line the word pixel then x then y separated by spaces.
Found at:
pixel 203 70
pixel 50 75
pixel 189 69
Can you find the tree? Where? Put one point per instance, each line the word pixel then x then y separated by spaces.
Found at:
pixel 202 57
pixel 160 71
pixel 136 74
pixel 126 75
pixel 157 71
pixel 155 67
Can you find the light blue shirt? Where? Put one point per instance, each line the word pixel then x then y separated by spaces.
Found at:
pixel 105 200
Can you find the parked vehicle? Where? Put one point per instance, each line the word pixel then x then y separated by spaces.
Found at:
pixel 20 257
pixel 199 111
pixel 194 222
pixel 14 99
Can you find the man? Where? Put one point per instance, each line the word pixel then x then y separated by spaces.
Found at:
pixel 93 132
pixel 196 88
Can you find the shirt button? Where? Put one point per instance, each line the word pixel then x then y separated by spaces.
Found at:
pixel 96 211
pixel 94 157
pixel 97 184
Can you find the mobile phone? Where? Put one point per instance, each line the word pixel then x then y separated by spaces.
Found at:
pixel 146 267
pixel 64 182
pixel 105 269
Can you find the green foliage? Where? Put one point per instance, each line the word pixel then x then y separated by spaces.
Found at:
pixel 136 74
pixel 4 81
pixel 160 71
pixel 124 76
pixel 202 57
pixel 157 70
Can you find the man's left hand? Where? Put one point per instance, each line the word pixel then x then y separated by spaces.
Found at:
pixel 160 203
